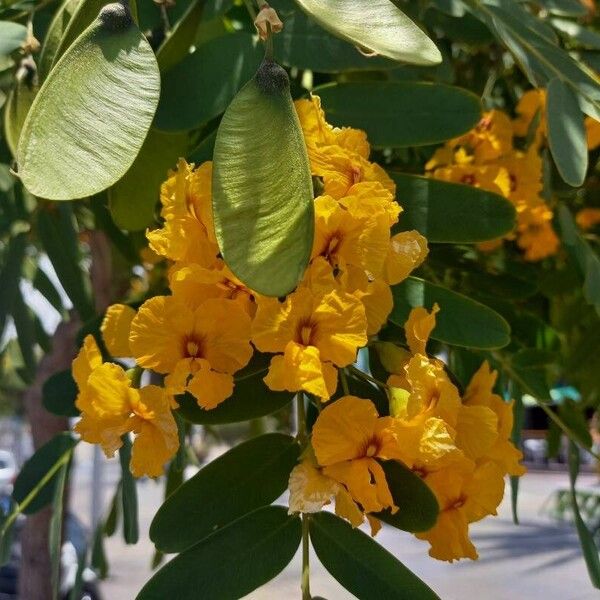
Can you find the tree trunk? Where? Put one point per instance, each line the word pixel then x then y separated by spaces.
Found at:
pixel 35 568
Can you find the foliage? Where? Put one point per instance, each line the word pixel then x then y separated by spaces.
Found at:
pixel 397 231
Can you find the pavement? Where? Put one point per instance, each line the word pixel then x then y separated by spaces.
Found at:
pixel 539 559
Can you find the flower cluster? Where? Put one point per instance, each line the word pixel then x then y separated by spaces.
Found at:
pixel 487 158
pixel 459 446
pixel 208 327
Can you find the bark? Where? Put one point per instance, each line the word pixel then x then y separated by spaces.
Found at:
pixel 35 579
pixel 35 570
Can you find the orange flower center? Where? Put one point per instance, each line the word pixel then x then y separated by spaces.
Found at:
pixel 333 245
pixel 513 182
pixel 458 503
pixel 305 334
pixel 192 347
pixel 468 179
pixel 371 448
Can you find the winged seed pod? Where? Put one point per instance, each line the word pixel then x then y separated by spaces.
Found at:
pixel 262 187
pixel 76 144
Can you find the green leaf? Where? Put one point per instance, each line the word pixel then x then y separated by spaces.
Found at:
pixel 378 26
pixel 231 562
pixel 54 35
pixel 42 283
pixel 417 506
pixel 99 134
pixel 251 475
pixel 401 113
pixel 584 254
pixel 251 399
pixel 12 35
pixel 133 199
pixel 576 33
pixel 47 456
pixel 461 320
pixel 57 232
pixel 25 326
pixel 181 38
pixel 262 188
pixel 99 562
pixel 59 393
pixel 17 106
pixel 566 133
pixel 360 564
pixel 202 85
pixel 450 212
pixel 55 533
pixel 128 494
pixel 10 275
pixel 572 8
pixel 306 45
pixel 586 539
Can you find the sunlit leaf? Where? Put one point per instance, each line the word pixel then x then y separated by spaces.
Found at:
pixel 566 132
pixel 450 212
pixel 401 113
pixel 460 322
pixel 378 26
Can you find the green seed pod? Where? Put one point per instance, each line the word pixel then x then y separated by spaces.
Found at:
pixel 262 186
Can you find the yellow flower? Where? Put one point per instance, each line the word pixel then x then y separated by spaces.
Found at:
pixel 311 490
pixel 535 234
pixel 418 328
pixel 372 197
pixel 187 233
pixel 339 156
pixel 110 408
pixel 350 236
pixel 479 394
pixel 348 437
pixel 525 175
pixel 465 494
pixel 115 329
pixel 315 330
pixel 199 348
pixel 489 139
pixel 193 284
pixel 431 393
pixel 588 217
pixel 375 294
pixel 407 251
pixel 491 178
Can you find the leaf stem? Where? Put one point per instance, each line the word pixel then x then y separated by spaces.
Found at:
pixel 305 582
pixel 370 378
pixel 344 379
pixel 550 413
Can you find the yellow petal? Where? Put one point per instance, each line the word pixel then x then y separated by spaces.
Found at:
pixel 343 430
pixel 115 329
pixel 300 368
pixel 87 360
pixel 209 387
pixel 418 328
pixel 310 490
pixel 157 439
pixel 346 508
pixel 476 430
pixel 365 480
pixel 406 252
